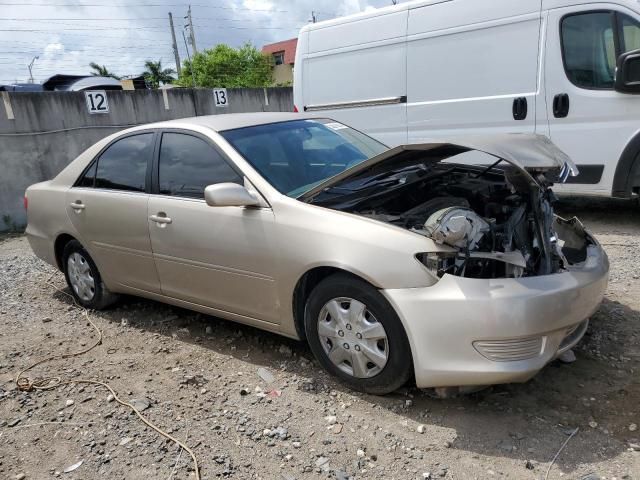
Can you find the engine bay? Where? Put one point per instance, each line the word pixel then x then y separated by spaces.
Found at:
pixel 496 221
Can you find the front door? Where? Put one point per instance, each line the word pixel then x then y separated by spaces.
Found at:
pixel 588 119
pixel 108 208
pixel 219 257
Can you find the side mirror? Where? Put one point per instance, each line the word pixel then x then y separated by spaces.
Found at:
pixel 628 72
pixel 229 195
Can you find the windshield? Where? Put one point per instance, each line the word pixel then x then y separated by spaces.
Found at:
pixel 298 155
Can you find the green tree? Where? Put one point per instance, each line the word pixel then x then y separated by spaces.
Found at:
pixel 102 71
pixel 156 75
pixel 224 66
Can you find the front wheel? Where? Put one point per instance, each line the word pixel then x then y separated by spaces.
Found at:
pixel 357 336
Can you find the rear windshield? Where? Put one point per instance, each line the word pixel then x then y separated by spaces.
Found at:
pixel 298 155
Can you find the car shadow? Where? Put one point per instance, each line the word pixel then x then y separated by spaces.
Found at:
pixel 599 393
pixel 524 422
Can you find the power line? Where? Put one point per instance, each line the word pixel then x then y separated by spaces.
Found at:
pixel 91 29
pixel 139 19
pixel 129 5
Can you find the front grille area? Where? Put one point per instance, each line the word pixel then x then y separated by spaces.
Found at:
pixel 510 350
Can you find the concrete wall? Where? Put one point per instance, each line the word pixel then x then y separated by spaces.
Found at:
pixel 48 130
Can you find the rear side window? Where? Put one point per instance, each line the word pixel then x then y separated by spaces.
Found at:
pixel 188 164
pixel 123 166
pixel 592 43
pixel 89 177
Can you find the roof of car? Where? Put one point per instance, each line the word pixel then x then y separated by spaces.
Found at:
pixel 231 121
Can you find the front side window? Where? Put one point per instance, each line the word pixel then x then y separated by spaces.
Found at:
pixel 297 155
pixel 630 34
pixel 123 166
pixel 592 43
pixel 188 164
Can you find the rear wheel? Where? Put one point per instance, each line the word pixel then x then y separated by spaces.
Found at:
pixel 84 279
pixel 357 336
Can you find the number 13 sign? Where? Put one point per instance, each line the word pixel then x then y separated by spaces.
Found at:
pixel 220 96
pixel 97 101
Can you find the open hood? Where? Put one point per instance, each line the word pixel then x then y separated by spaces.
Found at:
pixel 528 152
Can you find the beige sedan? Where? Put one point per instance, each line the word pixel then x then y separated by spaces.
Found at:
pixel 391 263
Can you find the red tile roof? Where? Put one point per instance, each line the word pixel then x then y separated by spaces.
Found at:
pixel 286 46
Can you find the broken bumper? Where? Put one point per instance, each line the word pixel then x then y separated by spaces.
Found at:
pixel 468 332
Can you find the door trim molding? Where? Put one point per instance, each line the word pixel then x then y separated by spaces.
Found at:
pixel 376 102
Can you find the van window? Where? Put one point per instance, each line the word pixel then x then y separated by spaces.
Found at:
pixel 589 46
pixel 630 33
pixel 589 49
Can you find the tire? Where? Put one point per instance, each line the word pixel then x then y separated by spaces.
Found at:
pixel 353 363
pixel 83 278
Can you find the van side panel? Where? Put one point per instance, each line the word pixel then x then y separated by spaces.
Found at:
pixel 360 61
pixel 467 64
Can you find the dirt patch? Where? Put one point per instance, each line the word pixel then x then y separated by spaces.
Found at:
pixel 199 377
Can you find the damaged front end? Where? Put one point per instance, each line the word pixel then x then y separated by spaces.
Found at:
pixel 493 221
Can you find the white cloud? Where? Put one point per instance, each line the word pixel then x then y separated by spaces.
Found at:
pixel 122 37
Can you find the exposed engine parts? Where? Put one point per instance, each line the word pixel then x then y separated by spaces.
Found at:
pixel 457 227
pixel 499 224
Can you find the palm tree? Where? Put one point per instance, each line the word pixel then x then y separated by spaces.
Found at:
pixel 102 71
pixel 156 75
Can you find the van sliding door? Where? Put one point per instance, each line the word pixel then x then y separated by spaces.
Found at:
pixel 472 68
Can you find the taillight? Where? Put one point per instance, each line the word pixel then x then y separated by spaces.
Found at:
pixel 25 200
pixel 295 109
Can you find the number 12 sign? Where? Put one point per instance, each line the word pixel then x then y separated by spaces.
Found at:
pixel 97 101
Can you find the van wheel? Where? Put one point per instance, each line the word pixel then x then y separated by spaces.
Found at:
pixel 84 279
pixel 357 336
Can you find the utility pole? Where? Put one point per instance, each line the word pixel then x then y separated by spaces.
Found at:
pixel 193 76
pixel 176 54
pixel 31 68
pixel 192 35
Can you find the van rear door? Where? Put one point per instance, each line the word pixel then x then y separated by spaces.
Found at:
pixel 588 119
pixel 472 68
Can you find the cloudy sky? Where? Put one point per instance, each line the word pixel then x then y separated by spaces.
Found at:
pixel 67 35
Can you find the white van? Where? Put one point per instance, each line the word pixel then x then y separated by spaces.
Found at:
pixel 432 68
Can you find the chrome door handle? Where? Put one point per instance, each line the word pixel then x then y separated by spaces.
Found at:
pixel 77 206
pixel 162 220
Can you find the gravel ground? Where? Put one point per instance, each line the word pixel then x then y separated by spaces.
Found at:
pixel 198 378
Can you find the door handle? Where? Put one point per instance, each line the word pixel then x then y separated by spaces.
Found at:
pixel 561 105
pixel 77 206
pixel 520 108
pixel 160 219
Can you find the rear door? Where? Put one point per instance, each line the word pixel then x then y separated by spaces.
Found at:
pixel 588 119
pixel 472 68
pixel 219 257
pixel 108 207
